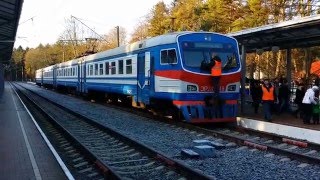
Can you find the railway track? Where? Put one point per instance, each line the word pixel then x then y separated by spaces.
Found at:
pixel 102 151
pixel 292 149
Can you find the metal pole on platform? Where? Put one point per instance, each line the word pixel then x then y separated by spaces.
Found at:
pixel 243 78
pixel 118 36
pixel 289 64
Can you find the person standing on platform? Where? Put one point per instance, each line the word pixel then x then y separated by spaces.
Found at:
pixel 284 97
pixel 256 94
pixel 307 102
pixel 316 109
pixel 298 101
pixel 268 95
pixel 216 72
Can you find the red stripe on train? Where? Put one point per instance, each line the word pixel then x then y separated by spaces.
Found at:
pixel 201 80
pixel 182 103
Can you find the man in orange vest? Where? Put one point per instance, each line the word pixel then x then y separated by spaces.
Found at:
pixel 267 99
pixel 216 72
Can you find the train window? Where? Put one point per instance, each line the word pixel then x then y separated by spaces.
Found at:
pixel 91 70
pixel 168 56
pixel 107 68
pixel 120 69
pixel 113 67
pixel 129 66
pixel 100 69
pixel 95 69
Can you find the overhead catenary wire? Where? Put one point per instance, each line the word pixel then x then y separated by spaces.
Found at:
pixel 88 27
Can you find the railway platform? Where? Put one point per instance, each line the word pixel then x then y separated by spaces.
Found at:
pixel 285 124
pixel 24 152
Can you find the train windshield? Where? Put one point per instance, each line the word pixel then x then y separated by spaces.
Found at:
pixel 195 53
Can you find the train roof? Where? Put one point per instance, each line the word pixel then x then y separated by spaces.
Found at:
pixel 48 68
pixel 69 63
pixel 146 43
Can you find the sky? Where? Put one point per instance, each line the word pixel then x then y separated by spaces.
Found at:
pixel 43 21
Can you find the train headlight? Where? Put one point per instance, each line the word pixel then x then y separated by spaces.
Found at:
pixel 191 88
pixel 231 88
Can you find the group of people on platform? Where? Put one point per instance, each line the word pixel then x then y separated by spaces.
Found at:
pixel 275 98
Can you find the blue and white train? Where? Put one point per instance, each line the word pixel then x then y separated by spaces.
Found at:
pixel 161 72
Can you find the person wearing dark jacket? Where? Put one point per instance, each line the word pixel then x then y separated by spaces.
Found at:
pixel 298 101
pixel 256 95
pixel 284 97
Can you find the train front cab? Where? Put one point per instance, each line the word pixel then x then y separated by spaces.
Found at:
pixel 198 105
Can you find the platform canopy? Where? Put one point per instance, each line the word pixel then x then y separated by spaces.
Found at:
pixel 10 11
pixel 297 33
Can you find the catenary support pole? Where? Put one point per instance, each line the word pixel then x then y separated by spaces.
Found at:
pixel 289 64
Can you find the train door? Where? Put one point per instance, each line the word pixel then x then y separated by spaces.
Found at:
pixel 143 77
pixel 41 82
pixel 81 75
pixel 54 77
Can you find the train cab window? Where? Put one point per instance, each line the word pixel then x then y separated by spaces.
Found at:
pixel 120 67
pixel 100 69
pixel 107 68
pixel 129 66
pixel 113 67
pixel 95 69
pixel 168 56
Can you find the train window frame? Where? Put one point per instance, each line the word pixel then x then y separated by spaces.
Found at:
pixel 113 67
pixel 101 69
pixel 129 66
pixel 166 51
pixel 107 67
pixel 96 69
pixel 120 66
pixel 91 70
